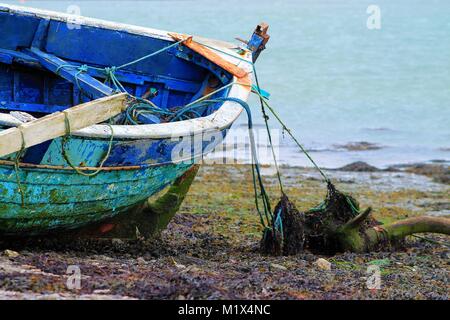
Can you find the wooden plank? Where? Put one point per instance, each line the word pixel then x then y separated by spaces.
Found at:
pixel 53 125
pixel 89 84
pixel 210 55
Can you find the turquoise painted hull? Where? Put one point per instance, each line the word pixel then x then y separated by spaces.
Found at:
pixel 57 198
pixel 46 67
pixel 63 199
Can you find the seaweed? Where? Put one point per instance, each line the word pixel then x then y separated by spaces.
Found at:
pixel 338 225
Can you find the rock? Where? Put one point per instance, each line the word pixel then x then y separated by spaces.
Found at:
pixel 359 166
pixel 323 264
pixel 359 146
pixel 277 266
pixel 141 260
pixel 438 172
pixel 11 253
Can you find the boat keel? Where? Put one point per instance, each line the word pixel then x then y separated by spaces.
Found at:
pixel 147 219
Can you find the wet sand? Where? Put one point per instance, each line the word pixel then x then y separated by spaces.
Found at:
pixel 210 249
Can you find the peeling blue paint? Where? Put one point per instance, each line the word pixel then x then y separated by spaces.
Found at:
pixel 58 197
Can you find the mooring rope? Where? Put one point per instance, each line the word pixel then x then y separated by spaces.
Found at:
pixel 266 121
pixel 142 106
pixel 285 128
pixel 264 101
pixel 110 72
pixel 266 217
pixel 66 155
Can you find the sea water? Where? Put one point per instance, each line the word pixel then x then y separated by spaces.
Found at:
pixel 334 76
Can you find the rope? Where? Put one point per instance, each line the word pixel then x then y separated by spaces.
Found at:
pixel 266 120
pixel 285 128
pixel 151 54
pixel 81 69
pixel 352 205
pixel 264 101
pixel 66 156
pixel 278 225
pixel 17 168
pixel 142 106
pixel 266 217
pixel 110 71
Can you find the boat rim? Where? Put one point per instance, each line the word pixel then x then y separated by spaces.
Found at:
pixel 221 119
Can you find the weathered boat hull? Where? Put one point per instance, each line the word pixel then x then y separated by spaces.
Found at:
pixel 60 199
pixel 45 194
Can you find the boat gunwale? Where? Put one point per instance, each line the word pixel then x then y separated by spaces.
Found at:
pixel 222 119
pixel 24 165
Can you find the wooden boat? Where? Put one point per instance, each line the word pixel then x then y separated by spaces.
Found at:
pixel 48 65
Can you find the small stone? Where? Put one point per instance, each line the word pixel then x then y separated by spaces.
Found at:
pixel 11 253
pixel 141 260
pixel 102 291
pixel 323 264
pixel 117 242
pixel 277 266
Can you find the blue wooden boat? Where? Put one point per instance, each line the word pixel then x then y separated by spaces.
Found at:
pixel 50 62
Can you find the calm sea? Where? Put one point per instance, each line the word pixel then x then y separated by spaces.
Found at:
pixel 332 78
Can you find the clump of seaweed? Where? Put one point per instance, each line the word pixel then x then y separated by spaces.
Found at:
pixel 287 235
pixel 337 225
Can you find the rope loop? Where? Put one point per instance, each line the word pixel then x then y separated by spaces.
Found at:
pixel 66 155
pixel 110 70
pixel 83 68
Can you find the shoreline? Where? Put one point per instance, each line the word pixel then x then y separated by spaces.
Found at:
pixel 210 249
pixel 334 156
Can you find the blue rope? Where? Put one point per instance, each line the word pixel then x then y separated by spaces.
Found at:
pixel 110 72
pixel 256 172
pixel 278 225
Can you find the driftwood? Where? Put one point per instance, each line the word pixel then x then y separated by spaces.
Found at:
pixel 338 226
